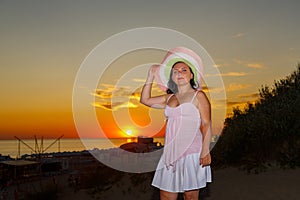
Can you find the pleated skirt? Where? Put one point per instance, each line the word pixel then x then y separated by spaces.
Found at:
pixel 187 175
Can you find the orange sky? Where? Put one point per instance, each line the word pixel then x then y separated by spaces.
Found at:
pixel 30 121
pixel 43 45
pixel 26 124
pixel 139 116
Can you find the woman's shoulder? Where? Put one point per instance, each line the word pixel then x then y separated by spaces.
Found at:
pixel 168 97
pixel 201 96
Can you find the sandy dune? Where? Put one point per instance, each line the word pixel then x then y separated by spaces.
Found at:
pixel 228 183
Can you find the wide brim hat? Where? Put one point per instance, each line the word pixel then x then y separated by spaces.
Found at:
pixel 179 54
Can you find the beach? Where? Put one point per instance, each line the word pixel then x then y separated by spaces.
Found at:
pixel 275 184
pixel 85 177
pixel 228 183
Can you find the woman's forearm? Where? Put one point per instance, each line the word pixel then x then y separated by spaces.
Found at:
pixel 206 138
pixel 146 91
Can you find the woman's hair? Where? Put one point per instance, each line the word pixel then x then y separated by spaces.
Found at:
pixel 172 87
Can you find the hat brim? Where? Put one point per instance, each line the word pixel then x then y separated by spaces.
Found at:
pixel 179 54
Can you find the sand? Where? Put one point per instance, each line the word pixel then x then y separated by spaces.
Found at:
pixel 273 184
pixel 228 183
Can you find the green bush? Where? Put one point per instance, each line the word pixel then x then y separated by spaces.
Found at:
pixel 265 133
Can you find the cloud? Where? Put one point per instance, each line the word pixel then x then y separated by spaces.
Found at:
pixel 234 87
pixel 218 65
pixel 139 80
pixel 213 90
pixel 234 103
pixel 241 104
pixel 106 106
pixel 102 94
pixel 114 106
pixel 234 74
pixel 229 74
pixel 110 91
pixel 238 35
pixel 218 104
pixel 247 96
pixel 255 65
pixel 238 104
pixel 111 98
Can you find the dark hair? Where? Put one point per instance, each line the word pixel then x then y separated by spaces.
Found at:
pixel 172 87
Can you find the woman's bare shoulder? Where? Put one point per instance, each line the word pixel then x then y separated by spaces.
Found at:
pixel 202 98
pixel 201 94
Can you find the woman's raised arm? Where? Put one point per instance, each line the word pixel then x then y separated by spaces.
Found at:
pixel 146 97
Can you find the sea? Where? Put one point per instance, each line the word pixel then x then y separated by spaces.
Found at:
pixel 16 148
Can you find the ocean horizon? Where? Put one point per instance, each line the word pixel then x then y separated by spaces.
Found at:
pixel 15 148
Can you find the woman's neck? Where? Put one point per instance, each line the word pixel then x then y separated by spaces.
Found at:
pixel 185 89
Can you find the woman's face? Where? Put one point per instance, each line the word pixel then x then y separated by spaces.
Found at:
pixel 181 74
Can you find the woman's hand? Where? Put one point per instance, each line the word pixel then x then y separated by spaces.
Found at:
pixel 206 160
pixel 153 71
pixel 146 97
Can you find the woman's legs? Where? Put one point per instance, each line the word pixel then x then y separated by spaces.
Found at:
pixel 164 195
pixel 188 195
pixel 191 195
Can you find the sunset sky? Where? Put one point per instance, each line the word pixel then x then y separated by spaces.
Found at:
pixel 44 43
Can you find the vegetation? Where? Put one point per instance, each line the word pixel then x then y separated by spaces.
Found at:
pixel 266 133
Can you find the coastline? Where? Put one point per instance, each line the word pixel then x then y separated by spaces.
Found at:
pixel 9 147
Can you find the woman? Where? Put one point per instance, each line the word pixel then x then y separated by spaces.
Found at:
pixel 184 165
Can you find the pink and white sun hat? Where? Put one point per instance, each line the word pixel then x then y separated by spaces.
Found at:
pixel 179 54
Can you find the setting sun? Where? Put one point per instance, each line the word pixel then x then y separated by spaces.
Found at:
pixel 129 132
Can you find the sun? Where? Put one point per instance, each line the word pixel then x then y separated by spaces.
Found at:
pixel 129 132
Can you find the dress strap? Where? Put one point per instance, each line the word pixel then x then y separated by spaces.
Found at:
pixel 169 98
pixel 194 96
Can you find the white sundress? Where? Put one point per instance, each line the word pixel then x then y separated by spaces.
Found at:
pixel 179 167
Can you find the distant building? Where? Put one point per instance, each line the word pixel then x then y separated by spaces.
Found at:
pixel 143 145
pixel 19 169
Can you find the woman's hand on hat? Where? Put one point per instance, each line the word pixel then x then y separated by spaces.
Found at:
pixel 153 71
